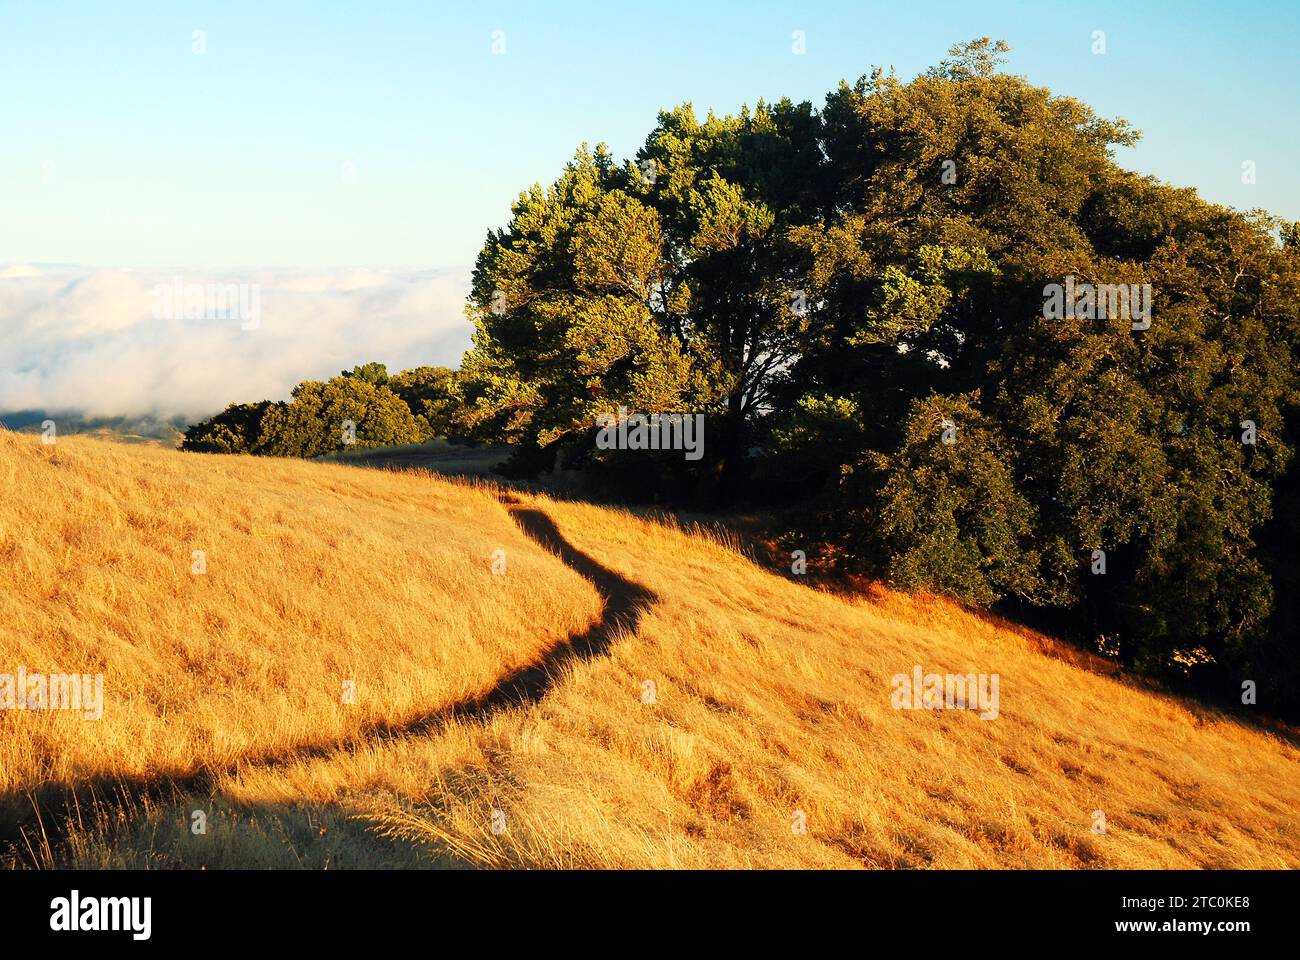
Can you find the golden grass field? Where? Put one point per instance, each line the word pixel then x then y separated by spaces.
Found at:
pixel 223 694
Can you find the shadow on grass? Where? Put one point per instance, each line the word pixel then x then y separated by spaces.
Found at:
pixel 41 817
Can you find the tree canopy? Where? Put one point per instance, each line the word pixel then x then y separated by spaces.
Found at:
pixel 859 299
pixel 360 408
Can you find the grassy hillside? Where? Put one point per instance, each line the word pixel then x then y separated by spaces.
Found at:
pixel 522 692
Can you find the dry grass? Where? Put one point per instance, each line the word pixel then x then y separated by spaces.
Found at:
pixel 771 698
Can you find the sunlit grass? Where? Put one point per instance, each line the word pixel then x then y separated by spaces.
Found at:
pixel 771 699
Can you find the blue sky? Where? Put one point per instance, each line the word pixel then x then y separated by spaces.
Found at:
pixel 122 147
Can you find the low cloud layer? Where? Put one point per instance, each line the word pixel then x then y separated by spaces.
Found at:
pixel 104 343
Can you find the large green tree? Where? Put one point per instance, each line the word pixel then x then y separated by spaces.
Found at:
pixel 861 299
pixel 961 198
pixel 659 285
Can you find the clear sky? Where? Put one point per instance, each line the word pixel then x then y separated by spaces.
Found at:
pixel 389 134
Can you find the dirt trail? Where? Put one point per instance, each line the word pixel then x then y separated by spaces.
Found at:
pixel 46 810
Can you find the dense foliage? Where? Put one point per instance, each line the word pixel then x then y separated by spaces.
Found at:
pixel 361 408
pixel 857 298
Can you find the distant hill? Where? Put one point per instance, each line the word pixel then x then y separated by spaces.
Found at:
pixel 152 431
